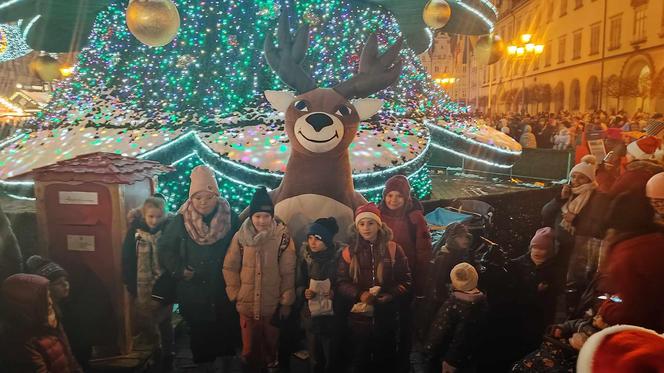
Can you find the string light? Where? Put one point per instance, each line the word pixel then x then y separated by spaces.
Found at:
pixel 14 45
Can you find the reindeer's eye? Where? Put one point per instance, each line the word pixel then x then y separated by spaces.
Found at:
pixel 343 111
pixel 301 106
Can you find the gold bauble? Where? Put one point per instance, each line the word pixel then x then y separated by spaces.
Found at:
pixel 153 22
pixel 436 13
pixel 46 68
pixel 489 49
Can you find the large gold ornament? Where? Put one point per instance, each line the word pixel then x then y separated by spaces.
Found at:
pixel 489 49
pixel 153 22
pixel 436 13
pixel 46 68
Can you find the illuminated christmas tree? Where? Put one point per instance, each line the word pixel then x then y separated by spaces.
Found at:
pixel 199 99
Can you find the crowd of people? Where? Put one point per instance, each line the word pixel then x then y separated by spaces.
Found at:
pixel 387 299
pixel 565 131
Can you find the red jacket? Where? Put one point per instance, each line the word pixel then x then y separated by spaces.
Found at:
pixel 636 176
pixel 411 232
pixel 635 272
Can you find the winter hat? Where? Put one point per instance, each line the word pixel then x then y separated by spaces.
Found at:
pixel 543 239
pixel 202 180
pixel 644 148
pixel 39 266
pixel 370 210
pixel 622 349
pixel 261 202
pixel 630 212
pixel 464 277
pixel 655 186
pixel 398 183
pixel 324 229
pixel 587 167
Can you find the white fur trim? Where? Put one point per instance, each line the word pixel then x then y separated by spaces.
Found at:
pixel 280 100
pixel 635 151
pixel 584 363
pixel 367 107
pixel 369 215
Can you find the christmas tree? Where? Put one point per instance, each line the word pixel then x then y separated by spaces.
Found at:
pixel 199 99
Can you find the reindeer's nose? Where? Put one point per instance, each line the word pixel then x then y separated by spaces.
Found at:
pixel 319 121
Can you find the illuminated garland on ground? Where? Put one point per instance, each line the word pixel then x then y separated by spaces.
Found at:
pixel 12 44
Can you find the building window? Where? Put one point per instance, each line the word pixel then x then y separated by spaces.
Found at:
pixel 640 23
pixel 563 7
pixel 616 29
pixel 550 13
pixel 547 53
pixel 576 46
pixel 436 69
pixel 561 49
pixel 594 38
pixel 579 4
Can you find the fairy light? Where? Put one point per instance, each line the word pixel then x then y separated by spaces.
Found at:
pixel 26 31
pixel 470 157
pixel 14 46
pixel 479 14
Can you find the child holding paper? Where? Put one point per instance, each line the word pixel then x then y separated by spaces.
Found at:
pixel 316 275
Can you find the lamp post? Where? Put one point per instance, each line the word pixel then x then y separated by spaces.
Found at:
pixel 524 50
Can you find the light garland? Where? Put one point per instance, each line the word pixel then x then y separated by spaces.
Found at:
pixel 15 44
pixel 479 14
pixel 467 156
pixel 435 127
pixel 32 22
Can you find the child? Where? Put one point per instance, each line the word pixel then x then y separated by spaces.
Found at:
pixel 317 268
pixel 141 269
pixel 259 270
pixel 57 276
pixel 373 274
pixel 33 340
pixel 457 327
pixel 404 216
pixel 560 349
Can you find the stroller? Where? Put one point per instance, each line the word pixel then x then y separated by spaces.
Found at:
pixel 476 215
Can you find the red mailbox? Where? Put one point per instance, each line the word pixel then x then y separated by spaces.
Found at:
pixel 82 206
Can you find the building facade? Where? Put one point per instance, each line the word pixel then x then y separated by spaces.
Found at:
pixel 598 54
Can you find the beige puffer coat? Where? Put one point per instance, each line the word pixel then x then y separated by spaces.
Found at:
pixel 259 270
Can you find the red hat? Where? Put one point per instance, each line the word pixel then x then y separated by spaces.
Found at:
pixel 622 349
pixel 370 210
pixel 644 148
pixel 400 184
pixel 614 133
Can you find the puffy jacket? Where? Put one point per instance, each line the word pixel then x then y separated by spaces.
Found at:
pixel 396 277
pixel 30 344
pixel 260 270
pixel 411 232
pixel 635 177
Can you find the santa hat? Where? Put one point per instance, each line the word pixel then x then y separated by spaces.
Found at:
pixel 39 266
pixel 202 180
pixel 324 229
pixel 370 210
pixel 261 202
pixel 587 167
pixel 655 186
pixel 543 239
pixel 397 183
pixel 644 148
pixel 464 277
pixel 622 349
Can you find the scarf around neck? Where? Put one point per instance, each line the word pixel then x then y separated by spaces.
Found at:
pixel 576 202
pixel 201 232
pixel 249 236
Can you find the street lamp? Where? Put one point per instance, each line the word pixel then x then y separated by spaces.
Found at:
pixel 525 49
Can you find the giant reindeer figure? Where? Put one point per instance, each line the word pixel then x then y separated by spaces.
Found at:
pixel 321 123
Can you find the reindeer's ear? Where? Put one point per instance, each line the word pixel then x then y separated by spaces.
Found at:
pixel 367 107
pixel 280 100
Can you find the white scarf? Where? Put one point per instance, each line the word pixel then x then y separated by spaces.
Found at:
pixel 576 202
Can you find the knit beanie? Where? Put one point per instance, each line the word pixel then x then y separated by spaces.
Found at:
pixel 261 202
pixel 371 211
pixel 203 180
pixel 622 349
pixel 464 277
pixel 587 167
pixel 630 212
pixel 644 148
pixel 398 183
pixel 324 229
pixel 543 239
pixel 39 266
pixel 655 186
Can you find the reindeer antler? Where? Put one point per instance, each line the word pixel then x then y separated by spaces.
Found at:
pixel 376 72
pixel 286 60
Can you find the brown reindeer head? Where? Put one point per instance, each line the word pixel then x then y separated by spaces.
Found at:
pixel 325 120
